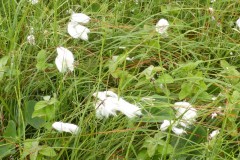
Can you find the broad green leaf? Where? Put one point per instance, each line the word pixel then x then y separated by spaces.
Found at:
pixel 148 72
pixel 224 64
pixel 45 109
pixel 95 7
pixel 28 111
pixel 204 96
pixel 47 151
pixel 159 136
pixel 39 113
pixel 10 132
pixel 31 147
pixel 113 64
pixel 186 90
pixel 40 105
pixel 6 149
pixel 151 146
pixel 168 149
pixel 143 155
pixel 186 68
pixel 165 78
pixel 41 60
pixel 235 98
pixel 231 71
pixel 3 61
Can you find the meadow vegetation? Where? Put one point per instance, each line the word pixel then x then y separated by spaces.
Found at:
pixel 196 61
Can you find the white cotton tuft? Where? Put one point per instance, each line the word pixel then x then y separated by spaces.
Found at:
pixel 109 103
pixel 214 134
pixel 106 108
pixel 65 127
pixel 80 18
pixel 186 113
pixel 164 126
pixel 129 109
pixel 64 60
pixel 178 131
pixel 31 39
pixel 238 23
pixel 78 31
pixel 162 26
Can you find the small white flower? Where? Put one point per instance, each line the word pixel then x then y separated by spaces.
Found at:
pixel 78 31
pixel 214 134
pixel 238 23
pixel 214 98
pixel 65 127
pixel 64 60
pixel 80 18
pixel 33 1
pixel 109 103
pixel 231 53
pixel 165 125
pixel 31 39
pixel 162 26
pixel 211 10
pixel 212 1
pixel 213 115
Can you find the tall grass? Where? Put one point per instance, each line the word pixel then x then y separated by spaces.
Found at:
pixel 199 52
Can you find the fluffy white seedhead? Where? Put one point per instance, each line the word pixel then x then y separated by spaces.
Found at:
pixel 65 127
pixel 214 134
pixel 182 105
pixel 238 23
pixel 162 26
pixel 164 126
pixel 31 39
pixel 64 60
pixel 186 113
pixel 106 108
pixel 178 131
pixel 78 31
pixel 109 103
pixel 80 18
pixel 33 1
pixel 129 109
